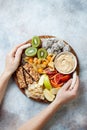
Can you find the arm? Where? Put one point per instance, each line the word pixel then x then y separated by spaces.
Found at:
pixel 37 122
pixel 64 95
pixel 12 62
pixel 4 78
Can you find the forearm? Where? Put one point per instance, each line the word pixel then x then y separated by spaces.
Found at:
pixel 37 122
pixel 4 78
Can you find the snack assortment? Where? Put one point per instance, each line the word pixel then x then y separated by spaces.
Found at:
pixel 45 67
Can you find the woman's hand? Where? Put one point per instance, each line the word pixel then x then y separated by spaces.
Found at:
pixel 13 58
pixel 66 94
pixel 12 62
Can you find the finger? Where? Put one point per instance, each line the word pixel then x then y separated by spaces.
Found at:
pixel 25 46
pixel 19 52
pixel 15 48
pixel 67 84
pixel 18 46
pixel 76 86
pixel 73 80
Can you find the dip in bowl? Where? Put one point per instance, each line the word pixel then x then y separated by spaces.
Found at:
pixel 65 62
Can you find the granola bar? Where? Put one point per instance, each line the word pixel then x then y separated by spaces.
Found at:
pixel 20 78
pixel 30 70
pixel 28 78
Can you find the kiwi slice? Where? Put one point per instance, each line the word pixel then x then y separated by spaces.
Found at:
pixel 31 51
pixel 36 42
pixel 42 53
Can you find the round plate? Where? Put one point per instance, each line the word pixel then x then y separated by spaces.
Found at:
pixel 44 37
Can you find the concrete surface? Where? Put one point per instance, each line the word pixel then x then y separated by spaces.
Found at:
pixel 19 21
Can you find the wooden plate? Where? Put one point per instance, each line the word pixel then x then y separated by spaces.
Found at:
pixel 44 37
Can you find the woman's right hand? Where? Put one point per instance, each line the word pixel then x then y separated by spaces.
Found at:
pixel 65 94
pixel 13 58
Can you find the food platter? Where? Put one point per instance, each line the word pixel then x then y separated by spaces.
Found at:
pixel 45 67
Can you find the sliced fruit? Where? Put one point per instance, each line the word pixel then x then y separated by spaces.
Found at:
pixel 30 60
pixel 65 78
pixel 31 51
pixel 48 95
pixel 47 83
pixel 60 78
pixel 41 80
pixel 45 63
pixel 49 72
pixel 40 70
pixel 39 61
pixel 57 77
pixel 43 66
pixel 55 85
pixel 36 42
pixel 42 53
pixel 54 90
pixel 51 64
pixel 49 57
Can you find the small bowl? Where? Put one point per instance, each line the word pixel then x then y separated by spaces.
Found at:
pixel 66 53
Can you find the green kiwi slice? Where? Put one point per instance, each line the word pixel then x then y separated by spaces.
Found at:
pixel 31 51
pixel 42 53
pixel 36 42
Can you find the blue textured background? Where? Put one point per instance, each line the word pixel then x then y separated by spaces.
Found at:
pixel 19 21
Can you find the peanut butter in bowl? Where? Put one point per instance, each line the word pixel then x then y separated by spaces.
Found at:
pixel 65 62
